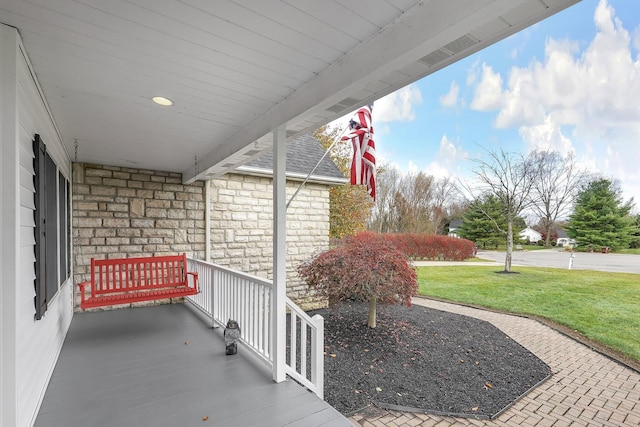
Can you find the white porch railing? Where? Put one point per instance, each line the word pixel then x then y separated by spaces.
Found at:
pixel 230 294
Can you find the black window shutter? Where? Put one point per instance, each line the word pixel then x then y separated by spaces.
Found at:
pixel 39 151
pixel 51 223
pixel 63 221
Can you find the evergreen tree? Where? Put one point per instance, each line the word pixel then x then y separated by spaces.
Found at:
pixel 635 242
pixel 600 217
pixel 483 223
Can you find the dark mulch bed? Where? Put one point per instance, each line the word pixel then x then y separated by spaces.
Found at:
pixel 422 359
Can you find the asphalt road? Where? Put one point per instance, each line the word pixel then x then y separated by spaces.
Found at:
pixel 619 263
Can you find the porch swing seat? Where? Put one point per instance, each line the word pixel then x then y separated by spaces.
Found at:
pixel 129 280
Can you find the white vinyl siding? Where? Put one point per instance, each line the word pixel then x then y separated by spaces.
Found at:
pixel 38 342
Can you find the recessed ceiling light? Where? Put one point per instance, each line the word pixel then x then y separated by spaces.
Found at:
pixel 161 100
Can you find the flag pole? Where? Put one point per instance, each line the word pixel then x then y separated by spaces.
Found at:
pixel 316 166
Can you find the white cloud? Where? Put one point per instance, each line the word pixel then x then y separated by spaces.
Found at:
pixel 604 17
pixel 488 93
pixel 583 101
pixel 450 99
pixel 587 159
pixel 437 170
pixel 449 152
pixel 473 74
pixel 395 107
pixel 546 136
pixel 636 39
pixel 447 160
pixel 398 106
pixel 412 168
pixel 381 129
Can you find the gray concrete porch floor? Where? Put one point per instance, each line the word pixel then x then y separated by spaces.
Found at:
pixel 164 366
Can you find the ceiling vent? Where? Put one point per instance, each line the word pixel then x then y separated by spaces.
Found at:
pixel 461 44
pixel 435 57
pixel 343 105
pixel 458 45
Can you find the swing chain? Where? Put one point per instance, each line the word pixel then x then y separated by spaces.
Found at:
pixel 196 171
pixel 77 241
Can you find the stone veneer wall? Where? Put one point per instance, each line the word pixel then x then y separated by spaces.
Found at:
pixel 123 213
pixel 242 229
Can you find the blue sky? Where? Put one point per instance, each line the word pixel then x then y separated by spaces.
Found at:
pixel 570 83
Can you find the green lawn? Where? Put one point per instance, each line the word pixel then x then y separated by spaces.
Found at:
pixel 603 306
pixel 630 251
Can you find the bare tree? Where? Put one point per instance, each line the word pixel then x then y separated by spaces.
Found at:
pixel 416 191
pixel 509 177
pixel 416 203
pixel 556 185
pixel 383 216
pixel 443 204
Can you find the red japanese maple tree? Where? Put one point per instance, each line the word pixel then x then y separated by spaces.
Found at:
pixel 366 268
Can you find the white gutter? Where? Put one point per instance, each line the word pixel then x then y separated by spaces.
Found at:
pixel 293 176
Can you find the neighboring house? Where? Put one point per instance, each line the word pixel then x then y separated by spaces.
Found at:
pixel 530 235
pixel 453 226
pixel 564 239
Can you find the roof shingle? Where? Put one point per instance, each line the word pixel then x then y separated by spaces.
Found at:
pixel 303 153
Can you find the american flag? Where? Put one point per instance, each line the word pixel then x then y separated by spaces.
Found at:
pixel 363 165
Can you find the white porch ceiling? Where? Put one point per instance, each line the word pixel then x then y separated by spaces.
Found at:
pixel 236 69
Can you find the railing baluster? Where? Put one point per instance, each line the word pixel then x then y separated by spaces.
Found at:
pixel 303 348
pixel 211 275
pixel 230 294
pixel 293 338
pixel 259 318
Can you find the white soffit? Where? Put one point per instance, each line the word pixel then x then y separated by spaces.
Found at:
pixel 236 69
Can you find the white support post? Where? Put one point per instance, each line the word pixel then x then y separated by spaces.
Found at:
pixel 317 355
pixel 279 255
pixel 207 220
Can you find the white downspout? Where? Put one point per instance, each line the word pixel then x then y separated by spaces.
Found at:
pixel 278 305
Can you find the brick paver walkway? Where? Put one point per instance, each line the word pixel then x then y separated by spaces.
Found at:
pixel 586 389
